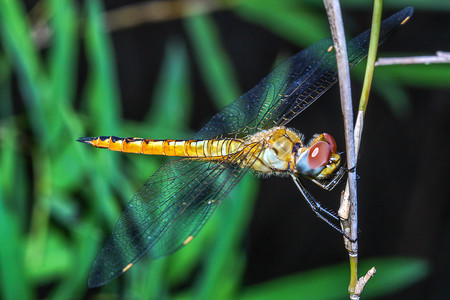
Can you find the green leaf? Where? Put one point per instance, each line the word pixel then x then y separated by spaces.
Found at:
pixel 50 262
pixel 331 282
pixel 84 246
pixel 222 264
pixel 63 51
pixel 425 76
pixel 14 282
pixel 289 19
pixel 212 59
pixel 102 92
pixel 23 54
pixel 393 274
pixel 172 101
pixel 102 98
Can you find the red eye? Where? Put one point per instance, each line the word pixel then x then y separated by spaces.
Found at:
pixel 319 155
pixel 331 141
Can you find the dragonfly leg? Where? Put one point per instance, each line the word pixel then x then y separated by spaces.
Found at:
pixel 320 211
pixel 353 169
pixel 331 183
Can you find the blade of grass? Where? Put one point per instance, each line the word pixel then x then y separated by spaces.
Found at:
pixel 6 107
pixel 172 99
pixel 168 117
pixel 40 214
pixel 102 92
pixel 214 64
pixel 221 264
pixel 63 50
pixel 55 261
pixel 21 51
pixel 84 245
pixel 222 85
pixel 425 76
pixel 66 127
pixel 102 98
pixel 12 268
pixel 148 280
pixel 14 282
pixel 62 60
pixel 323 283
pixel 394 274
pixel 288 19
pixel 372 55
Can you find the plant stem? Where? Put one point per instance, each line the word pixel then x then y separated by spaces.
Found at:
pixel 348 210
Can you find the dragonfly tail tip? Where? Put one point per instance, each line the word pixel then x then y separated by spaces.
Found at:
pixel 86 140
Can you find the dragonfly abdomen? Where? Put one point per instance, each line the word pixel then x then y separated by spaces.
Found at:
pixel 183 148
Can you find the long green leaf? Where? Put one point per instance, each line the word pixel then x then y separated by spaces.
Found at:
pixel 13 273
pixel 222 265
pixel 212 59
pixel 288 19
pixel 23 54
pixel 392 275
pixel 102 94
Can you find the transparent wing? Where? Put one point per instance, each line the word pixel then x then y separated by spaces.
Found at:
pixel 292 86
pixel 171 207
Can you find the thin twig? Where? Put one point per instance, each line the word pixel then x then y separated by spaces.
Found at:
pixel 357 287
pixel 348 200
pixel 134 15
pixel 158 11
pixel 337 29
pixel 362 283
pixel 440 57
pixel 344 209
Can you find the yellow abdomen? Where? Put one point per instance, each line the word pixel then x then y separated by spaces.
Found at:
pixel 183 148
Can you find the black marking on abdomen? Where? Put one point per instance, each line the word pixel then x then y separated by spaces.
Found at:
pixel 113 138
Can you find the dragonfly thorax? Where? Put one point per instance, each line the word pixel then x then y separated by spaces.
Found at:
pixel 277 155
pixel 283 153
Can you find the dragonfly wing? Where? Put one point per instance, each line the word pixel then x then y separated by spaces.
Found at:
pixel 293 85
pixel 298 97
pixel 255 110
pixel 166 213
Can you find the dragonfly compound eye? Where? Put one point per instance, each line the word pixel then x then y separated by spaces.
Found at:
pixel 319 155
pixel 331 141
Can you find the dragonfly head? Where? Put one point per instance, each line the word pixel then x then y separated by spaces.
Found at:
pixel 319 159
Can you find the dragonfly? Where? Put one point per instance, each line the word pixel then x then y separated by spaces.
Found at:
pixel 248 134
